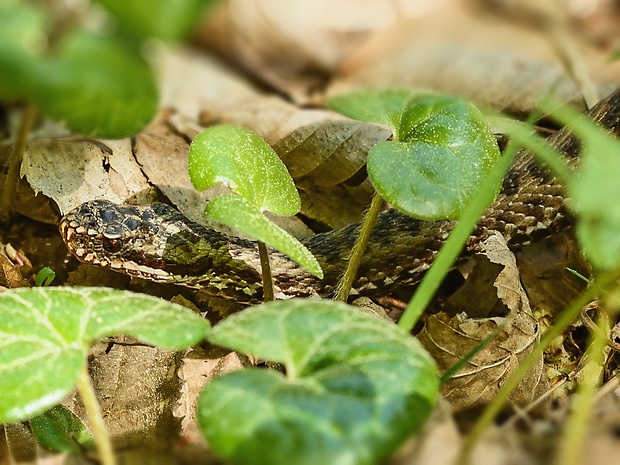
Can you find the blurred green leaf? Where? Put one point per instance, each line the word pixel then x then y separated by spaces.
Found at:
pixel 22 38
pixel 165 19
pixel 96 86
pixel 594 190
pixel 355 386
pixel 60 430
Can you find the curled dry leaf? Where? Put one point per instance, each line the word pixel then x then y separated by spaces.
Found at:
pixel 449 338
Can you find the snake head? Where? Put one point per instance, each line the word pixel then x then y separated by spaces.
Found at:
pixel 121 237
pixel 157 242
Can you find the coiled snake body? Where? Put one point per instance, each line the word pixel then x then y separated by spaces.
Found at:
pixel 158 243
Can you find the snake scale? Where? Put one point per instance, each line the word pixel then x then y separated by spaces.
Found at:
pixel 158 243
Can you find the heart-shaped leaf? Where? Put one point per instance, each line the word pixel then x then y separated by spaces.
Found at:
pixel 355 386
pixel 443 150
pixel 45 334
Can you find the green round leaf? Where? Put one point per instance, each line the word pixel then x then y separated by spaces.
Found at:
pixel 445 152
pixel 45 334
pixel 241 159
pixel 96 86
pixel 356 386
pixel 165 19
pixel 234 211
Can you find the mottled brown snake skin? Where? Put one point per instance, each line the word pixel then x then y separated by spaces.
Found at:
pixel 157 242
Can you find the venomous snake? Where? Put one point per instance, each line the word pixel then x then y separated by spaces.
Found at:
pixel 158 243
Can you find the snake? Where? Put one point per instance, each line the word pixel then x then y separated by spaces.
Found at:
pixel 158 243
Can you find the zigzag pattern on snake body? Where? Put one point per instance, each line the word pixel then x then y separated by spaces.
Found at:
pixel 158 243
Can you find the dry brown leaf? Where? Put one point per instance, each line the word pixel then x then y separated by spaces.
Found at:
pixel 73 171
pixel 17 444
pixel 367 305
pixel 438 443
pixel 200 367
pixel 490 61
pixel 138 389
pixel 192 81
pixel 448 339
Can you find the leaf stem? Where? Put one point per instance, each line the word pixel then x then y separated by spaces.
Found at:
pixel 9 192
pixel 454 244
pixel 370 219
pixel 263 253
pixel 565 319
pixel 93 409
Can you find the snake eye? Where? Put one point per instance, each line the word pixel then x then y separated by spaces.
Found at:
pixel 112 246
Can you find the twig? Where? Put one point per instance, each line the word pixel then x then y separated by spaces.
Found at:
pixel 268 292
